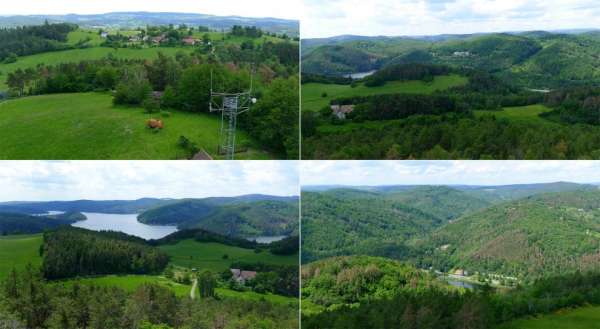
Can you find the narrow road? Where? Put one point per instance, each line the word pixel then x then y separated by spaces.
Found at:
pixel 193 292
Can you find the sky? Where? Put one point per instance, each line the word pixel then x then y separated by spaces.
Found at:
pixel 128 180
pixel 288 9
pixel 431 17
pixel 374 173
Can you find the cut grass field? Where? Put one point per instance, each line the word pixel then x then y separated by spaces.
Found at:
pixel 77 55
pixel 131 282
pixel 87 126
pixel 313 100
pixel 16 251
pixel 581 318
pixel 529 113
pixel 209 255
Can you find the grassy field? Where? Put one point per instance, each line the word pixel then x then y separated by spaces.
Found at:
pixel 209 255
pixel 76 55
pixel 521 113
pixel 80 35
pixel 16 251
pixel 313 100
pixel 582 318
pixel 87 126
pixel 132 282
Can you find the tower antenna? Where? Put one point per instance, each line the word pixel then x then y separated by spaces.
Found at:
pixel 230 105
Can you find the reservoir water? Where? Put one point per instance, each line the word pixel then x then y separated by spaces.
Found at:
pixel 267 239
pixel 124 223
pixel 360 75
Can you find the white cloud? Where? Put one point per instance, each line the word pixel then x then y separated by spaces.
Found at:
pixel 107 180
pixel 447 172
pixel 288 9
pixel 429 17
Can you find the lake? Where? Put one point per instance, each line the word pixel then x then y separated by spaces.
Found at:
pixel 124 223
pixel 360 75
pixel 267 239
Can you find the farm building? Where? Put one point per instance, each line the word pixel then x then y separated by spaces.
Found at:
pixel 242 276
pixel 340 111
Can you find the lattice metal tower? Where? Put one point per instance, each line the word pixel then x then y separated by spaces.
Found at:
pixel 230 105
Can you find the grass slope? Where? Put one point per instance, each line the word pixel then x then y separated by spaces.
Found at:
pixel 131 282
pixel 88 126
pixel 76 55
pixel 16 251
pixel 209 255
pixel 312 99
pixel 582 318
pixel 529 113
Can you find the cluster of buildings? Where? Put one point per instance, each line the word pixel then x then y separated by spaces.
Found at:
pixel 160 39
pixel 242 276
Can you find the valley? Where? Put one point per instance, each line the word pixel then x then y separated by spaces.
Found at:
pixel 473 84
pixel 498 247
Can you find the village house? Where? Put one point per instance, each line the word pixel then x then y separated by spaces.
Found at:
pixel 190 41
pixel 461 272
pixel 242 276
pixel 159 39
pixel 340 111
pixel 104 35
pixel 134 38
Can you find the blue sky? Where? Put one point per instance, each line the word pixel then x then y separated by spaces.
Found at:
pixel 447 172
pixel 429 17
pixel 109 180
pixel 288 9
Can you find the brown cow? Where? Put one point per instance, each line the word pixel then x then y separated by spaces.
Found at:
pixel 155 124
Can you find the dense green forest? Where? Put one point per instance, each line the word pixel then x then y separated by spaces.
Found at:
pixel 277 216
pixel 71 252
pixel 29 40
pixel 522 250
pixel 523 99
pixel 519 231
pixel 367 292
pixel 17 223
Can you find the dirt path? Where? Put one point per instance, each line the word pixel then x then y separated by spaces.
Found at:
pixel 194 288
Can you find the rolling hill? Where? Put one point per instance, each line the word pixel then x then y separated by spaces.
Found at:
pixel 15 223
pixel 530 237
pixel 118 20
pixel 244 217
pixel 535 59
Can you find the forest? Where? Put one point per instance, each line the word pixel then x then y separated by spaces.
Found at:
pixel 29 40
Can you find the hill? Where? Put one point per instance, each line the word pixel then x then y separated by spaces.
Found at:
pixel 536 236
pixel 15 223
pixel 76 120
pixel 232 217
pixel 117 20
pixel 107 207
pixel 535 59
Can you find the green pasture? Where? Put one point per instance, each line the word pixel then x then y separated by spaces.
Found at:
pixel 16 251
pixel 581 318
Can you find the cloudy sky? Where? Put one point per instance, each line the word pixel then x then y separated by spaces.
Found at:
pixel 257 8
pixel 447 172
pixel 429 17
pixel 127 180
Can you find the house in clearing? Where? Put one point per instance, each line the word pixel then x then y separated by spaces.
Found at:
pixel 242 276
pixel 340 111
pixel 104 35
pixel 159 39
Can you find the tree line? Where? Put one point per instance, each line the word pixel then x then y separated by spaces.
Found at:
pixel 71 252
pixel 28 301
pixel 29 40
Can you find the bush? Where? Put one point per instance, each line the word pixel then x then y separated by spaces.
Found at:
pixel 324 95
pixel 11 58
pixel 132 92
pixel 151 105
pixel 165 114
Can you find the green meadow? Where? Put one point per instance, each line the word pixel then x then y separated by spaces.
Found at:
pixel 211 256
pixel 16 251
pixel 581 318
pixel 131 282
pixel 313 100
pixel 88 126
pixel 76 55
pixel 529 113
